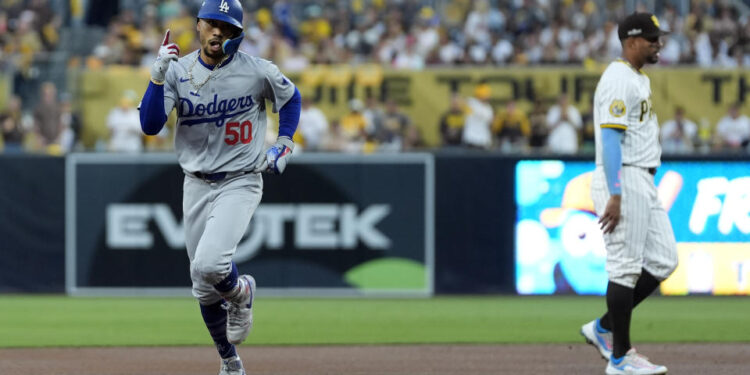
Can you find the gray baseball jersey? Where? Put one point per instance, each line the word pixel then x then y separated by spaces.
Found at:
pixel 643 238
pixel 221 123
pixel 221 127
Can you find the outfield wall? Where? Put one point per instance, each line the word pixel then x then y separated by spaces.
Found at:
pixel 403 224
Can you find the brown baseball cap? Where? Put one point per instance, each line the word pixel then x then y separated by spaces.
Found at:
pixel 644 25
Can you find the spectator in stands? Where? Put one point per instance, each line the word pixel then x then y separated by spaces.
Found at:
pixel 512 129
pixel 124 125
pixel 538 123
pixel 678 135
pixel 313 126
pixel 375 117
pixel 426 33
pixel 450 51
pixel 391 136
pixel 394 33
pixel 151 36
pixel 452 123
pixel 47 116
pixel 587 133
pixel 338 141
pixel 11 127
pixel 563 112
pixel 70 123
pixel 477 131
pixel 160 141
pixel 408 58
pixel 353 123
pixel 564 123
pixel 112 47
pixel 733 130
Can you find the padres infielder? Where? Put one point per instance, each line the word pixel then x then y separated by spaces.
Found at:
pixel 219 95
pixel 641 250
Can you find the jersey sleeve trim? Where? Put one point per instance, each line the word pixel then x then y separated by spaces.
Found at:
pixel 614 126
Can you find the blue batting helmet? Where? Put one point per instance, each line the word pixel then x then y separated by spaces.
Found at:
pixel 229 11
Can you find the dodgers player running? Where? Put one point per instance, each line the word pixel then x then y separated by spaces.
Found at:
pixel 219 95
pixel 641 250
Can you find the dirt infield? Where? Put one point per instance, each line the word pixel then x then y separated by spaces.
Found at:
pixel 714 359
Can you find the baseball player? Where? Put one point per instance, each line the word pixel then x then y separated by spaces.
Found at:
pixel 220 98
pixel 641 250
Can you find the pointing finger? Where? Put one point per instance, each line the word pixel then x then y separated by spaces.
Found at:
pixel 166 38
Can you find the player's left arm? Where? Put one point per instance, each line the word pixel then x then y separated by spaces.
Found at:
pixel 280 90
pixel 278 155
pixel 289 115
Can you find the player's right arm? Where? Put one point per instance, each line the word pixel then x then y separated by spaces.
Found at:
pixel 612 163
pixel 152 108
pixel 614 105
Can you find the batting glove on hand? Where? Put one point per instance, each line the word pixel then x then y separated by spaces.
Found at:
pixel 278 155
pixel 168 52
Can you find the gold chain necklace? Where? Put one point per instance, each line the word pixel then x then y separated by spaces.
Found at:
pixel 190 72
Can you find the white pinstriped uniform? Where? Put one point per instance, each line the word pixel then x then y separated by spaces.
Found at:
pixel 644 237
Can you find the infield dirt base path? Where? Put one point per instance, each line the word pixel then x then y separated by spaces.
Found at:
pixel 713 359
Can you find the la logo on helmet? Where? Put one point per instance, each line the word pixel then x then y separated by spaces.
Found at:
pixel 224 6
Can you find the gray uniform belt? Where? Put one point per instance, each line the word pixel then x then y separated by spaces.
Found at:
pixel 651 170
pixel 219 176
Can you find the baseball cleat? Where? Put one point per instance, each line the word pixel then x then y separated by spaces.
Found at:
pixel 633 364
pixel 240 311
pixel 232 366
pixel 602 341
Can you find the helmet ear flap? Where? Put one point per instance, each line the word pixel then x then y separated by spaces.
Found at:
pixel 231 46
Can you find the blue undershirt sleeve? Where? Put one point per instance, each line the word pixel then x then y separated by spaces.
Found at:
pixel 612 158
pixel 289 115
pixel 152 109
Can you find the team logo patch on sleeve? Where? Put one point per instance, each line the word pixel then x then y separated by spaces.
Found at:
pixel 617 108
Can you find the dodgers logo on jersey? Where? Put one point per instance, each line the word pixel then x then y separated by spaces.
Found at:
pixel 617 108
pixel 217 111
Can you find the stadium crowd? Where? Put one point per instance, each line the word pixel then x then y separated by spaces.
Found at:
pixel 398 34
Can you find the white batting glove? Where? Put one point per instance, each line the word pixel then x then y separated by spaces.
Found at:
pixel 168 52
pixel 277 156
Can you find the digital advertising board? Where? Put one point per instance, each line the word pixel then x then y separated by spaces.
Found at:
pixel 559 247
pixel 330 225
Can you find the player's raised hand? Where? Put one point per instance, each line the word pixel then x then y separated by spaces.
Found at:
pixel 611 216
pixel 277 156
pixel 168 52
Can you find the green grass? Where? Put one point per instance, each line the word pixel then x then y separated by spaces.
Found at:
pixel 28 321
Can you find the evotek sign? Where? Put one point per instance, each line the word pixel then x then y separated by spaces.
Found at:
pixel 316 226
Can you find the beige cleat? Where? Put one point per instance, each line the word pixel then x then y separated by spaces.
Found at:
pixel 232 366
pixel 240 311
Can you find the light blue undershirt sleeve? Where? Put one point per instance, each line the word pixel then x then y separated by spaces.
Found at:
pixel 612 158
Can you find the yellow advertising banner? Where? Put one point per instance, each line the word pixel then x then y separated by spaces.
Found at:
pixel 710 268
pixel 425 95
